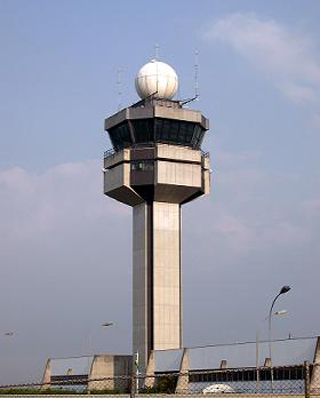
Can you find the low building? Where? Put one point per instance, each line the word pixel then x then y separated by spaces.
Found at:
pixel 238 367
pixel 244 367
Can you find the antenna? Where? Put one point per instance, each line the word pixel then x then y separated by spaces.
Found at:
pixel 196 75
pixel 196 81
pixel 119 87
pixel 156 57
pixel 156 51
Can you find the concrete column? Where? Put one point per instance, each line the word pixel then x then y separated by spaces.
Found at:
pixel 315 378
pixel 102 367
pixel 157 310
pixel 141 278
pixel 46 378
pixel 150 379
pixel 183 378
pixel 167 311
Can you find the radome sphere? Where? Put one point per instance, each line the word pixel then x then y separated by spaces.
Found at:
pixel 156 78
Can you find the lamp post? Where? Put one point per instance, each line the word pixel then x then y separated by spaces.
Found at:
pixel 283 290
pixel 8 334
pixel 104 325
pixel 278 313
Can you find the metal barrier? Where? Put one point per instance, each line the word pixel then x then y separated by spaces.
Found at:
pixel 295 381
pixel 110 152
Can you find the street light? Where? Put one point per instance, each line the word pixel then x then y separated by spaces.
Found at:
pixel 9 334
pixel 282 312
pixel 104 325
pixel 278 313
pixel 283 290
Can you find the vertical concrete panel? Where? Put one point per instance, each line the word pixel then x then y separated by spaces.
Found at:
pixel 315 378
pixel 102 367
pixel 157 312
pixel 140 282
pixel 150 379
pixel 166 276
pixel 46 378
pixel 183 379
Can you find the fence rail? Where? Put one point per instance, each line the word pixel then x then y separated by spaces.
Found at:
pixel 279 382
pixel 110 152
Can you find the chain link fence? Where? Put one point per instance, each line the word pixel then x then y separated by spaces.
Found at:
pixel 295 381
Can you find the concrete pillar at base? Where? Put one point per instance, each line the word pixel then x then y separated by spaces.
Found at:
pixel 315 378
pixel 46 378
pixel 150 377
pixel 110 372
pixel 183 379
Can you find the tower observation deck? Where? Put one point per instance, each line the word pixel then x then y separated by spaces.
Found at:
pixel 156 165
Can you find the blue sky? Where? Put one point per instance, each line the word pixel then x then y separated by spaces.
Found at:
pixel 66 250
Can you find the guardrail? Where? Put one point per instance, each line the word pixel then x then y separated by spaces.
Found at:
pixel 110 152
pixel 295 381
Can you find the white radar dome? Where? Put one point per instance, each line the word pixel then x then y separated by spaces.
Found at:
pixel 156 78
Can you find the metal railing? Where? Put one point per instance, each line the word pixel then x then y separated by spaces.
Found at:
pixel 110 152
pixel 296 381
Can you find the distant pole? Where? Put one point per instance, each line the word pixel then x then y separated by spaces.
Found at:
pixel 278 313
pixel 196 75
pixel 156 57
pixel 136 362
pixel 283 290
pixel 104 325
pixel 156 51
pixel 257 359
pixel 119 82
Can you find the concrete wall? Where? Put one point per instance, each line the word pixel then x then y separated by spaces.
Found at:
pixel 117 185
pixel 176 152
pixel 167 316
pixel 141 282
pixel 113 367
pixel 315 377
pixel 176 174
pixel 114 370
pixel 46 376
pixel 102 366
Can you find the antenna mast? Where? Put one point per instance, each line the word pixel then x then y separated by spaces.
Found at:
pixel 196 75
pixel 196 80
pixel 119 87
pixel 156 57
pixel 156 51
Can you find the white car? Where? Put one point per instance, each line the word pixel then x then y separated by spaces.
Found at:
pixel 218 389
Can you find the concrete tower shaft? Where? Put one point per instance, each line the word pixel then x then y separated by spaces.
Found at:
pixel 156 165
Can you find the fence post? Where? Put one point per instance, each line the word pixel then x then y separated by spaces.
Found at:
pixel 133 384
pixel 307 379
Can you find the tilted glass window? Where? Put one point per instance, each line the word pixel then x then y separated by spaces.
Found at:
pixel 197 137
pixel 120 136
pixel 143 130
pixel 174 131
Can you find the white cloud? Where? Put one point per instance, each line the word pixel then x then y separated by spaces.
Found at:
pixel 66 250
pixel 289 58
pixel 312 207
pixel 34 204
pixel 61 253
pixel 315 121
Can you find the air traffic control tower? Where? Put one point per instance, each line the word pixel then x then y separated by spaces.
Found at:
pixel 156 165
